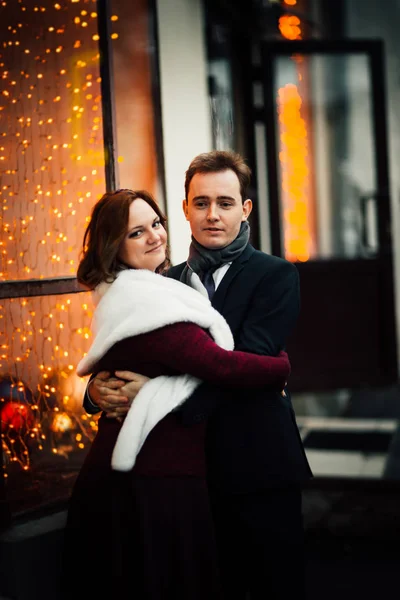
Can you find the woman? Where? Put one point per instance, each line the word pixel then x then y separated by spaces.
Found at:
pixel 140 502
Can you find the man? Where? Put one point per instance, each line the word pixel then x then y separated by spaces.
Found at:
pixel 256 461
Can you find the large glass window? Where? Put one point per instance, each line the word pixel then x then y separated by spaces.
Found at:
pixel 51 152
pixel 52 171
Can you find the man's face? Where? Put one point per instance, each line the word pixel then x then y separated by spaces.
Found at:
pixel 214 208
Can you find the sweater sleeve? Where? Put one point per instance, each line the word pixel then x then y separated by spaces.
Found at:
pixel 189 349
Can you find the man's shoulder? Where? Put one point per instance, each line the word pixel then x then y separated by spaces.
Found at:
pixel 175 271
pixel 271 263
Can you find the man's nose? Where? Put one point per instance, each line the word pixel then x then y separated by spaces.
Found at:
pixel 212 213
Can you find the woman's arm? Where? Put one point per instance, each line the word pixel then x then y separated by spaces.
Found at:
pixel 189 349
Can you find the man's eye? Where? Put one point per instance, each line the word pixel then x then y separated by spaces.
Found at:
pixel 200 204
pixel 226 204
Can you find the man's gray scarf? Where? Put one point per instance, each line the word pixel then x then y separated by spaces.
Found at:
pixel 203 259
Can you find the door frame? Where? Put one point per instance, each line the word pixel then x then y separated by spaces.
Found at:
pixel 374 49
pixel 375 53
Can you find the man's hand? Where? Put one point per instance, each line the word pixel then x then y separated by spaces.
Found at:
pixel 114 395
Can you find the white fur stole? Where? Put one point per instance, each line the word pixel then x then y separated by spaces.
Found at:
pixel 137 302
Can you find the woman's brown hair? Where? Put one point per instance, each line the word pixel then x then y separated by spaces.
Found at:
pixel 105 233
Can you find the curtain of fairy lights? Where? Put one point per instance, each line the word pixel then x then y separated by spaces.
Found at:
pixel 51 173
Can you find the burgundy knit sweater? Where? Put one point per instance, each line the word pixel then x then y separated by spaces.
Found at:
pixel 172 449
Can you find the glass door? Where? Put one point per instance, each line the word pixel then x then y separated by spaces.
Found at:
pixel 323 112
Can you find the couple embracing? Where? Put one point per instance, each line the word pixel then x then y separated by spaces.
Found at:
pixel 192 487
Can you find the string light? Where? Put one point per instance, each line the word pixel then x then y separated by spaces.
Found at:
pixel 51 173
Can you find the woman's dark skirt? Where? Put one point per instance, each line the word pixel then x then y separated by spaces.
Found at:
pixel 146 536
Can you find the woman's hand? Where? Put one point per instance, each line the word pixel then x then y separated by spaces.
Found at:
pixel 114 395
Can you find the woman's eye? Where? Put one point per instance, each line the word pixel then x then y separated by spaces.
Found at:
pixel 157 224
pixel 135 234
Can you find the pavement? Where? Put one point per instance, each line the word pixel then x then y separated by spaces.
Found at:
pixel 352 538
pixel 351 508
pixel 352 544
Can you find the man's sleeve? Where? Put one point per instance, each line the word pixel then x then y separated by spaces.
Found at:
pixel 270 319
pixel 90 407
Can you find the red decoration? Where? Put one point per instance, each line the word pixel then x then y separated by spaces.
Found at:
pixel 16 415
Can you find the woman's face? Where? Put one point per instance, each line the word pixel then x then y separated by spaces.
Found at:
pixel 145 242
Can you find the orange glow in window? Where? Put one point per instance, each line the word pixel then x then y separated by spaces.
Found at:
pixel 290 27
pixel 296 193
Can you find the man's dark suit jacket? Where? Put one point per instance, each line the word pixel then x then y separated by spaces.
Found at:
pixel 253 441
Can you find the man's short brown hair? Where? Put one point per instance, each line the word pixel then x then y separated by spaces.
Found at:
pixel 216 161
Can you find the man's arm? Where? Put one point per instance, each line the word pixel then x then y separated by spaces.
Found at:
pixel 270 319
pixel 88 403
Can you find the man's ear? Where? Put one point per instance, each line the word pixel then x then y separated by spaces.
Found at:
pixel 247 208
pixel 185 208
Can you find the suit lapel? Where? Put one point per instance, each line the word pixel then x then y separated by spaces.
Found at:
pixel 219 297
